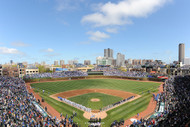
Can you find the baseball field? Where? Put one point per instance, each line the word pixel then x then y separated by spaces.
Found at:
pixel 98 93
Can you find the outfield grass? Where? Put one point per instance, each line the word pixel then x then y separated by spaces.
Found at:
pixel 122 112
pixel 105 100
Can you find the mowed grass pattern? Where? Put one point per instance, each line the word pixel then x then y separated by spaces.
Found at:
pixel 122 112
pixel 125 85
pixel 105 100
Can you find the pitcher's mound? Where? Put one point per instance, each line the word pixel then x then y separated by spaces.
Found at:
pixel 95 100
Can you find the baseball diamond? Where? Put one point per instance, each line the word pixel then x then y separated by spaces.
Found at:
pixel 108 91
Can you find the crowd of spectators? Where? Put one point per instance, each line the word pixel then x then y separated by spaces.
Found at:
pixel 57 75
pixel 74 104
pixel 126 74
pixel 107 71
pixel 177 96
pixel 17 108
pixel 176 99
pixel 117 103
pixel 118 123
pixel 95 122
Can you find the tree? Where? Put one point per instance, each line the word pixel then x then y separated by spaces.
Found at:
pixel 14 65
pixel 71 66
pixel 90 65
pixel 122 69
pixel 57 66
pixel 41 68
pixel 48 70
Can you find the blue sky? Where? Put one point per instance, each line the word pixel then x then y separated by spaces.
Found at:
pixel 48 30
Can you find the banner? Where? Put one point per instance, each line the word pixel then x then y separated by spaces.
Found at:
pixel 161 108
pixel 61 69
pixel 41 110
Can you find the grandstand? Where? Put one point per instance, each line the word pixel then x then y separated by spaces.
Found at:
pixel 21 108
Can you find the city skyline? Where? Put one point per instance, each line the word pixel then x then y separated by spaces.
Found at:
pixel 44 30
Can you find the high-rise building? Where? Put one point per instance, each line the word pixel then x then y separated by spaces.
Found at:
pixel 181 52
pixel 114 62
pixel 130 61
pixel 11 62
pixel 144 61
pixel 108 53
pixel 71 62
pixel 56 63
pixel 87 62
pixel 126 62
pixel 136 62
pixel 103 61
pixel 62 62
pixel 120 60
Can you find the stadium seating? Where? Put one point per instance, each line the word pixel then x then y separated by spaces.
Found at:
pixel 17 107
pixel 20 108
pixel 176 101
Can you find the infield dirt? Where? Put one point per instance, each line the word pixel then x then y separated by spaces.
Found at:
pixel 72 93
pixel 87 115
pixel 150 108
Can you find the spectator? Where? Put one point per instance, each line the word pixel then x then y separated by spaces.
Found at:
pixel 17 107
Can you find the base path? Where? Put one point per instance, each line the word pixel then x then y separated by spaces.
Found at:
pixel 72 93
pixel 103 114
pixel 150 109
pixel 97 114
pixel 51 111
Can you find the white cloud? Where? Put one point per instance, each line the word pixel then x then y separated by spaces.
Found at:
pixel 5 50
pixel 120 13
pixel 63 4
pixel 111 30
pixel 97 36
pixel 19 44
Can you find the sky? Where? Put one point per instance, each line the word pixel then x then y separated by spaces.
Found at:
pixel 49 30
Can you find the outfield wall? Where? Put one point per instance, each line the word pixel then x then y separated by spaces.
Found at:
pixel 92 77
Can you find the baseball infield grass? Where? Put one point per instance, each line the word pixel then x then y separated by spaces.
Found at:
pixel 124 111
pixel 105 100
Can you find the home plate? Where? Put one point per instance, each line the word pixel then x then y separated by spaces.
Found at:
pixel 132 120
